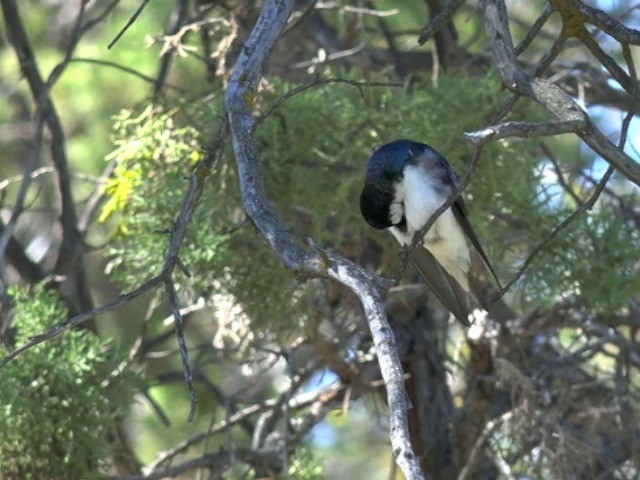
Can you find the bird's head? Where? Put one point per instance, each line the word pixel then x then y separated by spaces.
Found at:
pixel 387 162
pixel 384 171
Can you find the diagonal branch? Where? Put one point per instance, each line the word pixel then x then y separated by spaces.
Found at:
pixel 550 96
pixel 420 234
pixel 590 202
pixel 436 23
pixel 242 88
pixel 587 205
pixel 594 16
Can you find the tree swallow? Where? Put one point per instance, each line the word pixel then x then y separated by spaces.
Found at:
pixel 406 182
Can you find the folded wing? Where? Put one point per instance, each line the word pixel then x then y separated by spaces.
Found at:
pixel 446 289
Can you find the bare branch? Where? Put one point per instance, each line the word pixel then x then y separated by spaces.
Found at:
pixel 535 29
pixel 549 95
pixel 521 129
pixel 130 22
pixel 489 428
pixel 605 60
pixel 587 205
pixel 178 232
pixel 182 344
pixel 132 71
pixel 29 174
pixel 94 200
pixel 445 15
pixel 215 461
pixel 178 18
pixel 79 319
pixel 597 17
pixel 318 82
pixel 299 401
pixel 68 263
pixel 563 182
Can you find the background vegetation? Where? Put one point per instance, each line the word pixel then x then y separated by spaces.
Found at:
pixel 99 139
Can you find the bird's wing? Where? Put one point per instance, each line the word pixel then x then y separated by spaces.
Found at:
pixel 460 212
pixel 452 296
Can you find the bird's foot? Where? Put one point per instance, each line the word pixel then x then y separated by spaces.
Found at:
pixel 403 255
pixel 418 239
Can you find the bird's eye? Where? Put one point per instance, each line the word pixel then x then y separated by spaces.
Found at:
pixel 441 163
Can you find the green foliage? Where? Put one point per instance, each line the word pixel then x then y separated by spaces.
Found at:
pixel 304 466
pixel 316 145
pixel 314 148
pixel 153 157
pixel 57 401
pixel 592 259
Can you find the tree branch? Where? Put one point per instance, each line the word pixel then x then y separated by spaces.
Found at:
pixel 436 23
pixel 594 16
pixel 522 129
pixel 241 89
pixel 302 400
pixel 130 22
pixel 216 462
pixel 549 95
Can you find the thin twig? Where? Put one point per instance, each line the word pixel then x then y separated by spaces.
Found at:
pixel 561 180
pixel 215 462
pixel 420 234
pixel 587 205
pixel 436 23
pixel 182 345
pixel 534 30
pixel 321 60
pixel 480 442
pixel 178 18
pixel 130 22
pixel 107 63
pixel 302 400
pixel 95 199
pixel 318 82
pixel 79 319
pixel 196 185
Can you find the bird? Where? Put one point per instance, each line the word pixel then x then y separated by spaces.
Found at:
pixel 406 182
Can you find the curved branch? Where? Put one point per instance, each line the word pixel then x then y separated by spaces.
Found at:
pixel 242 87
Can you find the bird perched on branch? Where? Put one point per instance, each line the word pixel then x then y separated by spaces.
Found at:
pixel 406 182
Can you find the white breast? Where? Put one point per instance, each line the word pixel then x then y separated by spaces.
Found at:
pixel 445 239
